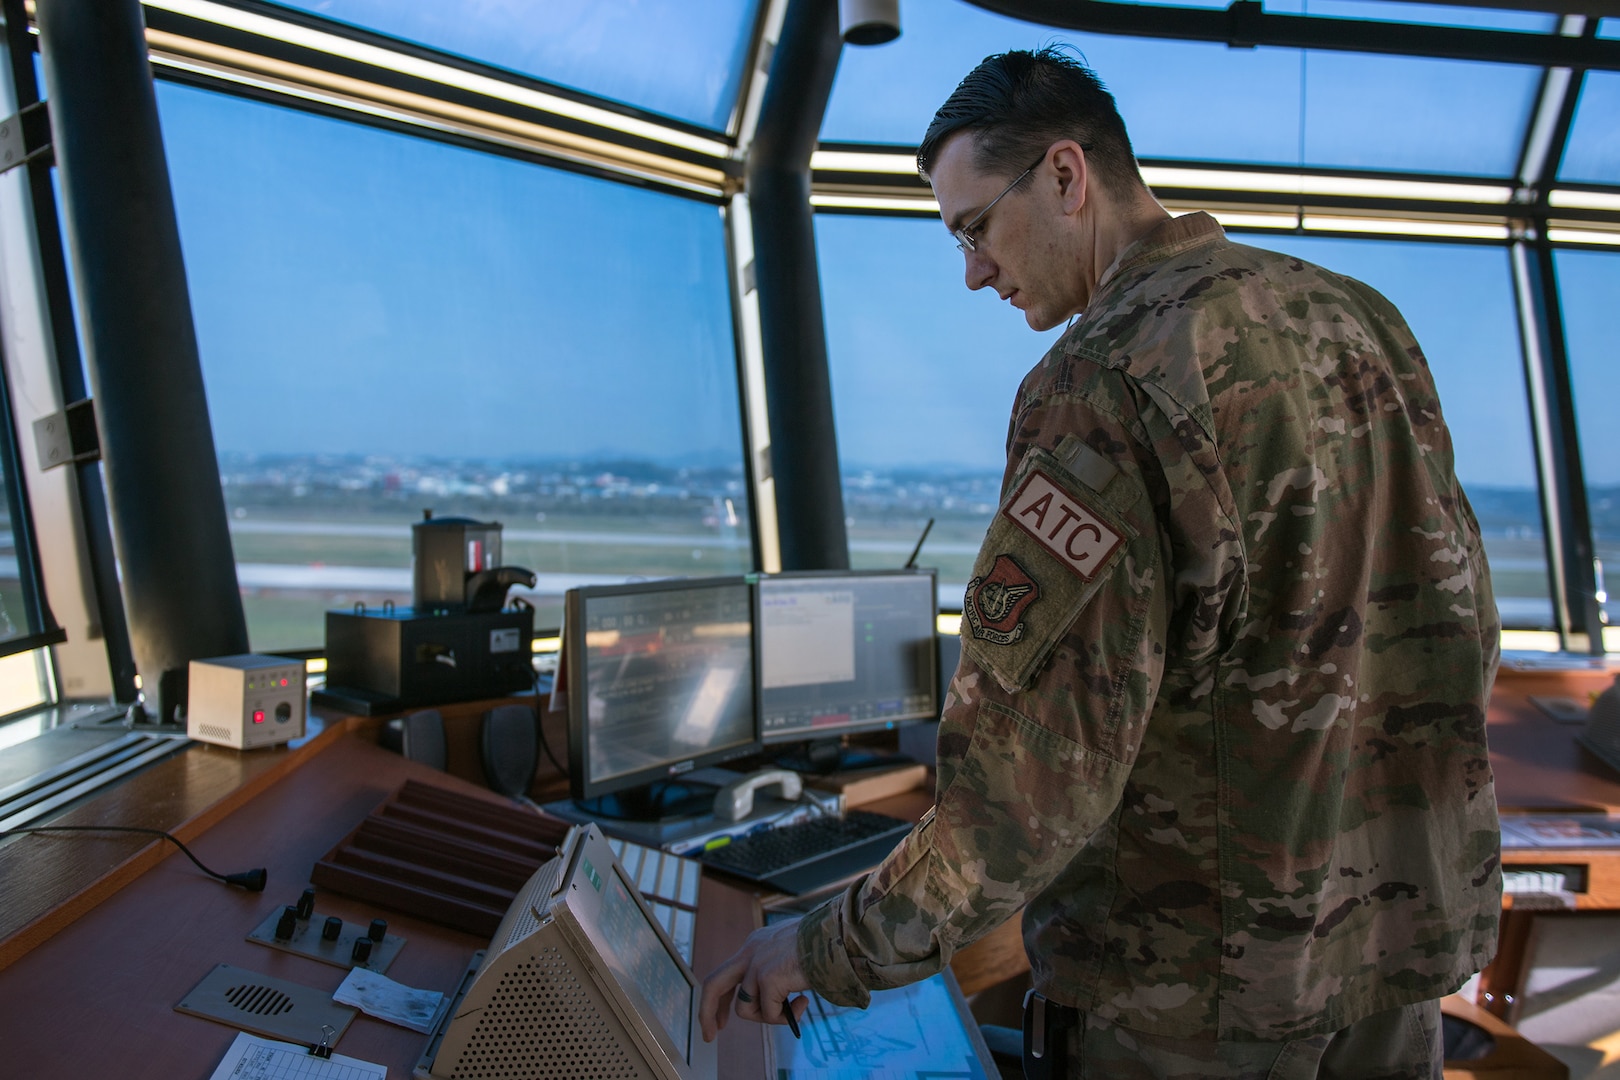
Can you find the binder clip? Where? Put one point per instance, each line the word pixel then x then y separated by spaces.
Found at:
pixel 323 1049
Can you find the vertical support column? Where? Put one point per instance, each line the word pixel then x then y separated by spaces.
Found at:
pixel 80 568
pixel 168 512
pixel 1566 518
pixel 1565 513
pixel 804 446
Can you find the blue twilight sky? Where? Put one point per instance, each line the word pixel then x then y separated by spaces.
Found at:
pixel 957 357
pixel 676 57
pixel 1206 101
pixel 413 297
pixel 360 291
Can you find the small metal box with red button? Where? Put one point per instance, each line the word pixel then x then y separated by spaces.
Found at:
pixel 246 701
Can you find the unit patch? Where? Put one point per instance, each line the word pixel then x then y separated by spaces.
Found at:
pixel 995 603
pixel 1061 524
pixel 1021 602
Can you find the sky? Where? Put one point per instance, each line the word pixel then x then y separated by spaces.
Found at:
pixel 677 57
pixel 360 291
pixel 1206 101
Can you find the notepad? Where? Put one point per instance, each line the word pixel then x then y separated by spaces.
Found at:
pixel 253 1058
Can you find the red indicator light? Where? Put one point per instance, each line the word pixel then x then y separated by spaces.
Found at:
pixel 258 716
pixel 283 682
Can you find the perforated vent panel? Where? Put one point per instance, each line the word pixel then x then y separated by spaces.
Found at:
pixel 524 923
pixel 540 1021
pixel 214 731
pixel 524 920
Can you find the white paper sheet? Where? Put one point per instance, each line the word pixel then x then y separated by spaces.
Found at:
pixel 253 1058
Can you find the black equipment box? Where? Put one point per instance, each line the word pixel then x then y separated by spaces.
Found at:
pixel 395 658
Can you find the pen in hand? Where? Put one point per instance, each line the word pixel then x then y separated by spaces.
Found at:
pixel 793 1021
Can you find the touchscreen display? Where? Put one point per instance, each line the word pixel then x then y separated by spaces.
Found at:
pixel 634 950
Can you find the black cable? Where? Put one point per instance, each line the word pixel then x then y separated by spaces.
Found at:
pixel 251 880
pixel 540 726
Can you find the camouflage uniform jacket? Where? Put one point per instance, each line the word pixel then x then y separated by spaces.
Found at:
pixel 1219 726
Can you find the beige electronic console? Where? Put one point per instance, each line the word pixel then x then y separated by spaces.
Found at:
pixel 246 701
pixel 579 981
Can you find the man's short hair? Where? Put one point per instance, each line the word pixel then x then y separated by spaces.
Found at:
pixel 1016 104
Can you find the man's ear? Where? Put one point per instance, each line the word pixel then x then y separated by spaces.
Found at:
pixel 1073 174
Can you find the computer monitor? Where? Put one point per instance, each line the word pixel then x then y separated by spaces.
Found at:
pixel 846 651
pixel 579 980
pixel 661 679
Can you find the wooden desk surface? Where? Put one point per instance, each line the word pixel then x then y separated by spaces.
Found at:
pixel 93 993
pixel 97 999
pixel 103 937
pixel 1539 765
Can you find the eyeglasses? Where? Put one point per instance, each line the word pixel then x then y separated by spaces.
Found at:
pixel 966 242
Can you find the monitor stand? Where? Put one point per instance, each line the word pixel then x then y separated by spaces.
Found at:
pixel 679 834
pixel 823 757
pixel 660 801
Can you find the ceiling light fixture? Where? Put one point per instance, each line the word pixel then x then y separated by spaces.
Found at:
pixel 432 71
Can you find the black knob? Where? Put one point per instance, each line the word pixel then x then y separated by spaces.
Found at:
pixel 362 950
pixel 333 927
pixel 287 923
pixel 306 904
pixel 379 928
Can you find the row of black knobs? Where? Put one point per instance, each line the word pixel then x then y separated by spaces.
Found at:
pixel 293 914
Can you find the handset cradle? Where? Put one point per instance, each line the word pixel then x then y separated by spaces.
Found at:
pixel 735 800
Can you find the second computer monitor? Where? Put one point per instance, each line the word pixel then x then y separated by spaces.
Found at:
pixel 846 651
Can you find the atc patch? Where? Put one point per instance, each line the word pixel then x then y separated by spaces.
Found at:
pixel 994 605
pixel 1062 524
pixel 1052 546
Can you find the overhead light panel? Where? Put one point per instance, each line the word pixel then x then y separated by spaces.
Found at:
pixel 918 205
pixel 1568 199
pixel 1244 219
pixel 433 71
pixel 1583 236
pixel 1452 230
pixel 369 98
pixel 1159 176
pixel 856 162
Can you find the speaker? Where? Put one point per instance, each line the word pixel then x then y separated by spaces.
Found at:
pixel 419 736
pixel 511 749
pixel 869 22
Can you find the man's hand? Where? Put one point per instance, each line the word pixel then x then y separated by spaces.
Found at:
pixel 762 974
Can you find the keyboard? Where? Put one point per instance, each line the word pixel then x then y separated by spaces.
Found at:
pixel 811 854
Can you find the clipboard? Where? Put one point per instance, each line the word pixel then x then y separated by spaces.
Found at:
pixel 253 1058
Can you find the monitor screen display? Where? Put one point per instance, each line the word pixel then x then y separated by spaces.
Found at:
pixel 634 950
pixel 845 651
pixel 668 677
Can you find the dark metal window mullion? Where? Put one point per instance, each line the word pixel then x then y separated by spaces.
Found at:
pixel 36 606
pixel 69 367
pixel 1565 513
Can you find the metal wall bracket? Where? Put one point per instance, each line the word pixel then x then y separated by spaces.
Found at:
pixel 69 435
pixel 14 148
